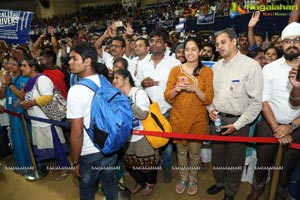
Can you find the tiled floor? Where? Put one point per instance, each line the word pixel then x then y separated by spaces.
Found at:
pixel 15 187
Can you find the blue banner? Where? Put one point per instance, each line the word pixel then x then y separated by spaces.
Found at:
pixel 15 26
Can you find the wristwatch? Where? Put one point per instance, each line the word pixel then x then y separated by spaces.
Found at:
pixel 293 126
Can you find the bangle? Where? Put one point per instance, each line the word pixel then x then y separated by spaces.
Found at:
pixel 293 98
pixel 75 164
pixel 8 84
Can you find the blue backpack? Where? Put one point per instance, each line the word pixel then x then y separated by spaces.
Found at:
pixel 111 116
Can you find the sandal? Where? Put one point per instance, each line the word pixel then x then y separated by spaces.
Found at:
pixel 62 175
pixel 135 189
pixel 192 187
pixel 148 189
pixel 180 187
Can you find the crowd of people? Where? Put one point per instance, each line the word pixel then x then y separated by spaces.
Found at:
pixel 246 80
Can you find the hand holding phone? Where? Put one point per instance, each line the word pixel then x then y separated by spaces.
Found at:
pixel 182 80
pixel 119 24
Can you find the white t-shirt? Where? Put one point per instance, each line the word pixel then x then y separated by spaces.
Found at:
pixel 79 106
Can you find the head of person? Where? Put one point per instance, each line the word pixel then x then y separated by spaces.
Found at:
pixel 258 55
pixel 14 65
pixel 83 56
pixel 117 47
pixel 94 38
pixel 207 52
pixel 278 44
pixel 290 38
pixel 4 63
pixel 179 53
pixel 192 51
pixel 47 59
pixel 120 63
pixel 101 68
pixel 30 67
pixel 226 43
pixel 122 79
pixel 142 47
pixel 259 38
pixel 274 37
pixel 243 41
pixel 158 41
pixel 271 54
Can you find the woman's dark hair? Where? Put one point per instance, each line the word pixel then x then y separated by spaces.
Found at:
pixel 126 74
pixel 278 51
pixel 49 54
pixel 199 45
pixel 253 53
pixel 123 61
pixel 100 68
pixel 33 63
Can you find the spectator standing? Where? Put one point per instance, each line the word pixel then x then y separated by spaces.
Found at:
pixel 85 155
pixel 152 75
pixel 189 99
pixel 280 119
pixel 237 97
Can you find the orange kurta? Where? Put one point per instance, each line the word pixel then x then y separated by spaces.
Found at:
pixel 188 113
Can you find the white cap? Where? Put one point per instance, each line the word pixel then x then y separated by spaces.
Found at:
pixel 293 29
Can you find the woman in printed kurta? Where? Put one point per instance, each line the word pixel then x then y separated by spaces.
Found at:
pixel 189 90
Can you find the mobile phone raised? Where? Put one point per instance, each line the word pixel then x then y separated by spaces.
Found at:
pixel 182 80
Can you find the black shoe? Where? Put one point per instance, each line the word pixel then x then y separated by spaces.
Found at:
pixel 226 197
pixel 214 189
pixel 167 175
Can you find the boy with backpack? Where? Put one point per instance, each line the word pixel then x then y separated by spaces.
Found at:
pixel 93 161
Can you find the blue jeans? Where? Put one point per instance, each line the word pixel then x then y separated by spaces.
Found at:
pixel 167 150
pixel 166 154
pixel 91 172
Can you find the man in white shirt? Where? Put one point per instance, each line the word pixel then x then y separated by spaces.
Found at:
pixel 85 156
pixel 141 49
pixel 280 119
pixel 152 75
pixel 237 97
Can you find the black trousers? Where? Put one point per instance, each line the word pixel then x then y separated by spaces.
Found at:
pixel 228 159
pixel 265 159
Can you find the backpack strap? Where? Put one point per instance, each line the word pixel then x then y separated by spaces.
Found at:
pixel 92 85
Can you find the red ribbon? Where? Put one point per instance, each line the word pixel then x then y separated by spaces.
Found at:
pixel 214 137
pixel 200 136
pixel 12 113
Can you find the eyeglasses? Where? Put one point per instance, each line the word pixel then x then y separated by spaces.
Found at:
pixel 115 46
pixel 289 41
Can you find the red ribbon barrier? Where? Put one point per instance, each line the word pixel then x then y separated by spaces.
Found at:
pixel 214 137
pixel 200 136
pixel 12 113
